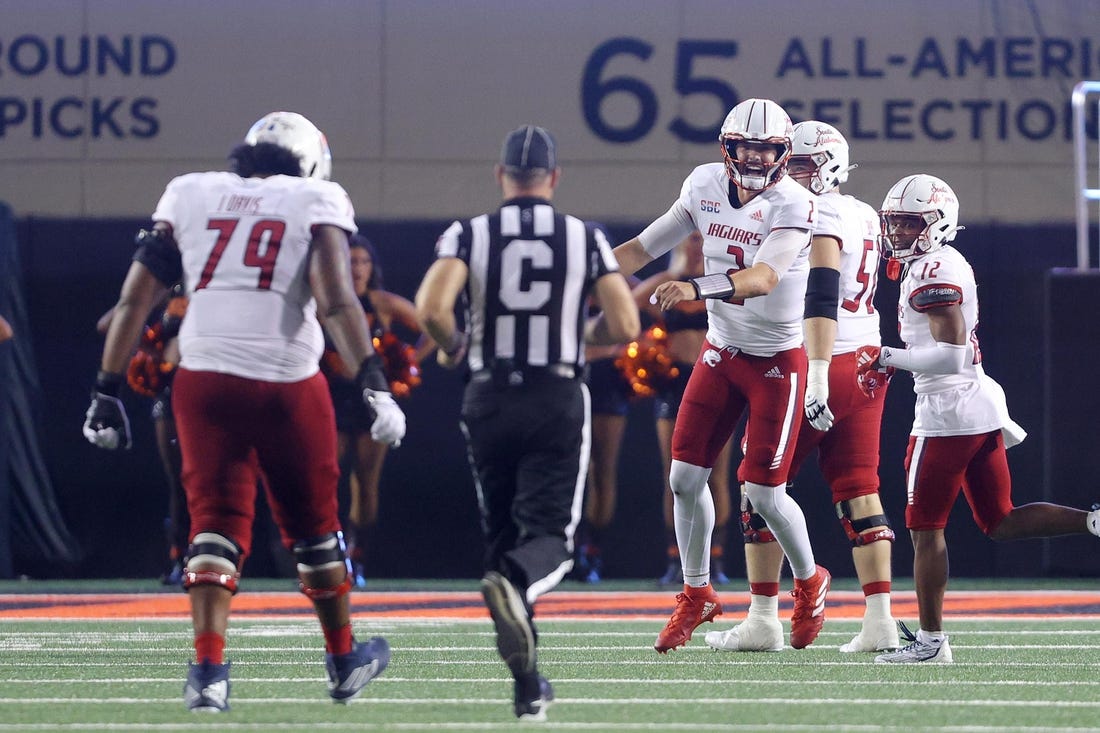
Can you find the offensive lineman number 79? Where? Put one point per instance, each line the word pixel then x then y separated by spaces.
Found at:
pixel 265 231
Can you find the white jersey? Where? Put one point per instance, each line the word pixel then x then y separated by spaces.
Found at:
pixel 856 225
pixel 732 235
pixel 967 403
pixel 245 245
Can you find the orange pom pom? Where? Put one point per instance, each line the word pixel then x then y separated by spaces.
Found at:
pixel 144 374
pixel 399 364
pixel 177 307
pixel 647 364
pixel 147 372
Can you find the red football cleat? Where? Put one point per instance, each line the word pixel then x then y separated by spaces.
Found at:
pixel 694 607
pixel 809 608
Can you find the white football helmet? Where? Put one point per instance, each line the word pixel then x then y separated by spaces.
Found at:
pixel 818 153
pixel 919 215
pixel 294 132
pixel 756 121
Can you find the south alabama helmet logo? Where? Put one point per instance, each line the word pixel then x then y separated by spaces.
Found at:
pixel 712 357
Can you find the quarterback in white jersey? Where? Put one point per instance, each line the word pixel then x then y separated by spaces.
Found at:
pixel 733 234
pixel 260 250
pixel 962 428
pixel 845 430
pixel 756 226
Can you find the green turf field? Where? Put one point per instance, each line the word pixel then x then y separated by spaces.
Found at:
pixel 1033 675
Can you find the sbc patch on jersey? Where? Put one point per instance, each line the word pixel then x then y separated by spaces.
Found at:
pixel 935 296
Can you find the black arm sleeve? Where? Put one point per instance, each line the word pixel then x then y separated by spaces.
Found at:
pixel 822 293
pixel 158 252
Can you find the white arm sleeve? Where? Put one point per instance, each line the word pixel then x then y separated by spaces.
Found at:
pixel 780 248
pixel 939 359
pixel 667 231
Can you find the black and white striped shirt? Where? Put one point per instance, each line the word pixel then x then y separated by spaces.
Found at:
pixel 530 273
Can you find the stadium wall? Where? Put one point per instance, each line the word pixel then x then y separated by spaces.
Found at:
pixel 114 503
pixel 102 101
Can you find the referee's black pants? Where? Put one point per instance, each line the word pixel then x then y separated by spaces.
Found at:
pixel 529 447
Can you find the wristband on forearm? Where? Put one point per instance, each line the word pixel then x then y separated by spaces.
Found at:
pixel 818 371
pixel 939 359
pixel 108 383
pixel 371 376
pixel 718 286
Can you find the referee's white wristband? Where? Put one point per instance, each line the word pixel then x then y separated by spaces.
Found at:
pixel 719 285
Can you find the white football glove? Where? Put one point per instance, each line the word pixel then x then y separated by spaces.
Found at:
pixel 817 395
pixel 105 424
pixel 389 420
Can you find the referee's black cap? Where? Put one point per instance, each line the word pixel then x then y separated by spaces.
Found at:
pixel 528 147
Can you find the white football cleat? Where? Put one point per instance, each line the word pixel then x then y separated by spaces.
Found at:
pixel 936 652
pixel 876 636
pixel 751 635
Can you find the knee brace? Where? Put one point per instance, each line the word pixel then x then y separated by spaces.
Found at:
pixel 319 554
pixel 855 528
pixel 219 559
pixel 753 525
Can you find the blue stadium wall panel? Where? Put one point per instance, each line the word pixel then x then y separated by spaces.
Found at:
pixel 428 525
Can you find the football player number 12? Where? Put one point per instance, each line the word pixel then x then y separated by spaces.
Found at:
pixel 260 252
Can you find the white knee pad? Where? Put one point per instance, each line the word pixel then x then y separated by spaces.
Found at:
pixel 687 480
pixel 765 500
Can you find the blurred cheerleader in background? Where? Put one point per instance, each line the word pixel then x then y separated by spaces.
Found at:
pixel 673 348
pixel 150 374
pixel 360 456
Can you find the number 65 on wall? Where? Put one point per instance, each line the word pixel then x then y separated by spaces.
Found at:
pixel 595 90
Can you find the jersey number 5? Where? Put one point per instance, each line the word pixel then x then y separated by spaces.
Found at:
pixel 261 250
pixel 867 277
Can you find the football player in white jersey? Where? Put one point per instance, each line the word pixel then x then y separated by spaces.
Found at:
pixel 961 427
pixel 848 452
pixel 756 225
pixel 262 251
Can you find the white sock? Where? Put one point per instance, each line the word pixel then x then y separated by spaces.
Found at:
pixel 930 637
pixel 878 607
pixel 765 608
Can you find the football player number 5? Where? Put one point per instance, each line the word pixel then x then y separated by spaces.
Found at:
pixel 867 277
pixel 260 252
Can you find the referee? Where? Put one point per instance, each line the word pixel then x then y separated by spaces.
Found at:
pixel 525 272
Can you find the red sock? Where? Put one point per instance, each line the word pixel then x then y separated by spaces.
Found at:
pixel 339 641
pixel 764 589
pixel 210 645
pixel 879 586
